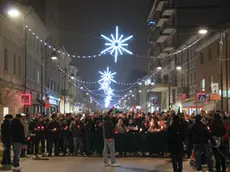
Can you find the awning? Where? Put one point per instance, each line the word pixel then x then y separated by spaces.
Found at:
pixel 160 6
pixel 168 12
pixel 192 104
pixel 168 31
pixel 161 22
pixel 162 39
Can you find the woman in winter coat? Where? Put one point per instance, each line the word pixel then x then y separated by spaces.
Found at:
pixel 175 137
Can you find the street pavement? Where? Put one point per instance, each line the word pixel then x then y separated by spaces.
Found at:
pixel 94 164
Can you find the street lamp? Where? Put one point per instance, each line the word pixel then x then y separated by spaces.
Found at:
pixel 178 67
pixel 54 56
pixel 203 31
pixel 159 67
pixel 72 76
pixel 13 13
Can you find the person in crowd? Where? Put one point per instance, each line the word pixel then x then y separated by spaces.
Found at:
pixel 218 130
pixel 27 134
pixel 131 126
pixel 120 127
pixel 200 137
pixel 108 132
pixel 39 136
pixel 77 129
pixel 7 141
pixel 154 127
pixel 176 137
pixel 18 139
pixel 188 141
pixel 32 126
pixel 226 136
pixel 66 135
pixel 53 135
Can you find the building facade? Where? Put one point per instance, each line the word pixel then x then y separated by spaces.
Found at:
pixel 11 65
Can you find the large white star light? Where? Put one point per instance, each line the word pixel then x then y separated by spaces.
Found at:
pixel 106 77
pixel 116 44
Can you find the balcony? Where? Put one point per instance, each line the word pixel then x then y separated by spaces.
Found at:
pixel 161 22
pixel 168 13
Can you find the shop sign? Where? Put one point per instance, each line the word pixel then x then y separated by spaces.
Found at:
pixel 214 97
pixel 215 88
pixel 25 99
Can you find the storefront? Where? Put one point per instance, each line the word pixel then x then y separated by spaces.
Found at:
pixel 191 107
pixel 10 102
pixel 54 101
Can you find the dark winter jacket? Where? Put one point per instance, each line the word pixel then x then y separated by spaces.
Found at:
pixel 53 129
pixel 176 134
pixel 77 129
pixel 6 132
pixel 17 131
pixel 200 134
pixel 108 128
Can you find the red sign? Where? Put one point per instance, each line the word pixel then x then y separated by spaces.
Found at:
pixel 182 96
pixel 47 102
pixel 25 99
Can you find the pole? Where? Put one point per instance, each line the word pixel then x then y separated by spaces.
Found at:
pixel 65 85
pixel 226 63
pixel 221 71
pixel 41 97
pixel 25 62
pixel 146 95
pixel 196 103
pixel 169 101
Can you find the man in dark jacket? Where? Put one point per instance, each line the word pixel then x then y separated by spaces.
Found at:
pixel 6 140
pixel 53 135
pixel 200 136
pixel 176 136
pixel 77 129
pixel 18 139
pixel 108 132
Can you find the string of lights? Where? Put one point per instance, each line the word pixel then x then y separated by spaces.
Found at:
pixel 94 82
pixel 60 52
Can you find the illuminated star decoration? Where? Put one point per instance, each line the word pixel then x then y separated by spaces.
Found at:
pixel 116 45
pixel 107 76
pixel 105 81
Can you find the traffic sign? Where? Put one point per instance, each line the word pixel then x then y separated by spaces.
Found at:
pixel 201 97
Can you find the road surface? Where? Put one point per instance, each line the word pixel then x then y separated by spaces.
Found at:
pixel 86 164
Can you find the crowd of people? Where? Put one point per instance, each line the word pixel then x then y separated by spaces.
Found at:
pixel 64 134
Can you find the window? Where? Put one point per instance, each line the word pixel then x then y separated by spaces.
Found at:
pixel 34 73
pixel 54 86
pixel 211 82
pixel 48 83
pixel 51 84
pixel 38 77
pixel 19 66
pixel 218 49
pixel 203 84
pixel 201 58
pixel 14 65
pixel 209 54
pixel 30 72
pixel 38 45
pixel 6 59
pixel 34 42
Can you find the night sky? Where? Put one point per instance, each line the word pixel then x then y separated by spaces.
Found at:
pixel 82 23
